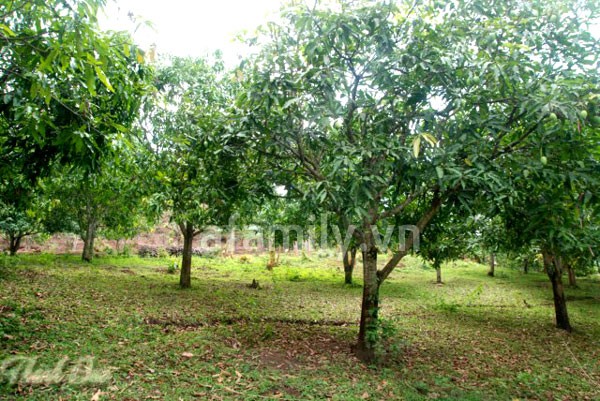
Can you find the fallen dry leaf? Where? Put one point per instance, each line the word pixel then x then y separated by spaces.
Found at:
pixel 96 396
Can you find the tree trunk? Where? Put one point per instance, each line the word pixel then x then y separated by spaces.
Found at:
pixel 349 264
pixel 492 270
pixel 571 273
pixel 438 272
pixel 15 244
pixel 368 335
pixel 369 323
pixel 88 242
pixel 185 278
pixel 553 267
pixel 526 266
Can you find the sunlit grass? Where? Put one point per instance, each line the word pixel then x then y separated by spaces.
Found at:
pixel 474 337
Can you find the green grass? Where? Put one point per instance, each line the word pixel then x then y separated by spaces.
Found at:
pixel 473 338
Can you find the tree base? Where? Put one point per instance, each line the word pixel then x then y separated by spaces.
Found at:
pixel 364 354
pixel 566 327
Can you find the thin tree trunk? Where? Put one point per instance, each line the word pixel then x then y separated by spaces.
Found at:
pixel 438 272
pixel 553 267
pixel 492 270
pixel 571 273
pixel 368 333
pixel 185 278
pixel 526 266
pixel 88 242
pixel 15 244
pixel 367 336
pixel 349 264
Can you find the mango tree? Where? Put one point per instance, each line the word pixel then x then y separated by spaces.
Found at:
pixel 392 110
pixel 22 210
pixel 69 90
pixel 198 156
pixel 112 199
pixel 446 240
pixel 556 206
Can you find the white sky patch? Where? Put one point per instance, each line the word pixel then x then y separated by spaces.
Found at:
pixel 188 27
pixel 197 27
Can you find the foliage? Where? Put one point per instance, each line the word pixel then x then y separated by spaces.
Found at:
pixel 23 207
pixel 199 161
pixel 556 207
pixel 69 91
pixel 447 239
pixel 147 251
pixel 87 204
pixel 197 154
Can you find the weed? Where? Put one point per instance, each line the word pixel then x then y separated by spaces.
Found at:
pixel 294 277
pixel 444 306
pixel 268 332
pixel 172 268
pixel 473 296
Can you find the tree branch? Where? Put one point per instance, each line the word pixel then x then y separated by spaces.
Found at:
pixel 510 147
pixel 399 208
pixel 436 203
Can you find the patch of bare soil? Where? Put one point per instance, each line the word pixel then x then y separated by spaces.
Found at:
pixel 277 359
pixel 32 274
pixel 299 347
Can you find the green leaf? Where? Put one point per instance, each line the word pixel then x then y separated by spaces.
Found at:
pixel 7 30
pixel 120 127
pixel 291 102
pixel 91 82
pixel 48 60
pixel 103 78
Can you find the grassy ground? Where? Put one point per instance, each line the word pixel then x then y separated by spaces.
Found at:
pixel 474 338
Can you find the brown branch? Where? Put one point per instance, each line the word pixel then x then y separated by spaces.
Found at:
pixel 307 163
pixel 351 109
pixel 511 119
pixel 510 147
pixel 436 203
pixel 399 208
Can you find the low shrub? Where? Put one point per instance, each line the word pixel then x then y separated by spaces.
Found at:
pixel 207 253
pixel 146 251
